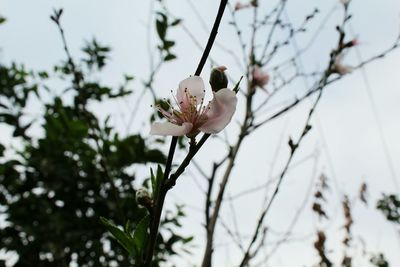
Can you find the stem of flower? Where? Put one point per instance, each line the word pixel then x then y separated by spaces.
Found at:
pixel 168 183
pixel 213 35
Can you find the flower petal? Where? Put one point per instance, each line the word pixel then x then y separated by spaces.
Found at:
pixel 222 108
pixel 168 128
pixel 260 77
pixel 194 86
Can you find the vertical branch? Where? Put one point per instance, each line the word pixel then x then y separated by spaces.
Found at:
pixel 77 75
pixel 211 39
pixel 247 122
pixel 169 182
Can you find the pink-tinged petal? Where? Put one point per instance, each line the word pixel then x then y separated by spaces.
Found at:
pixel 239 6
pixel 222 108
pixel 260 77
pixel 339 67
pixel 168 128
pixel 194 86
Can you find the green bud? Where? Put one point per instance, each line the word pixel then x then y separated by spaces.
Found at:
pixel 143 198
pixel 218 79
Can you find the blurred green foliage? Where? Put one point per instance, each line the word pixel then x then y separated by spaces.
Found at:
pixel 379 260
pixel 54 188
pixel 390 207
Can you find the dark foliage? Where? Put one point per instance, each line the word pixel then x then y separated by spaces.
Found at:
pixel 390 207
pixel 379 260
pixel 55 188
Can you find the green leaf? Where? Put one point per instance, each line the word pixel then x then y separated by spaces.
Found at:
pixel 127 228
pixel 96 54
pixel 168 44
pixel 187 240
pixel 123 238
pixel 161 26
pixel 156 181
pixel 2 149
pixel 159 178
pixel 128 77
pixel 140 234
pixel 169 57
pixel 154 155
pixel 236 88
pixel 160 174
pixel 176 22
pixel 153 182
pixel 2 19
pixel 43 75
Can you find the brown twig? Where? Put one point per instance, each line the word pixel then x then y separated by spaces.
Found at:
pixel 293 148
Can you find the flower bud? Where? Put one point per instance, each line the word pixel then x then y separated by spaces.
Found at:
pixel 355 42
pixel 218 79
pixel 239 6
pixel 254 3
pixel 143 198
pixel 351 43
pixel 260 77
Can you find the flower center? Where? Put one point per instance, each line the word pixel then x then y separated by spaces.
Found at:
pixel 189 110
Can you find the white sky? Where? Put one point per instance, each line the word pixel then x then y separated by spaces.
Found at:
pixel 345 113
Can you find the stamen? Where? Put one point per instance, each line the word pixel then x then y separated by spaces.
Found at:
pixel 176 100
pixel 201 105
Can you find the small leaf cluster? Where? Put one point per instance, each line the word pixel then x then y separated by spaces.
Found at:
pixel 162 26
pixel 97 54
pixel 379 260
pixel 389 205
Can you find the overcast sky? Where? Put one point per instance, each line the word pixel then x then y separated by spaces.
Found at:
pixel 345 144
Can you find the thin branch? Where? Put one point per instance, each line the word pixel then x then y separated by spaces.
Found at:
pixel 271 32
pixel 294 147
pixel 299 211
pixel 247 121
pixel 216 166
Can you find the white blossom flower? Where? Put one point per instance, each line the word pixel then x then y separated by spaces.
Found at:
pixel 192 115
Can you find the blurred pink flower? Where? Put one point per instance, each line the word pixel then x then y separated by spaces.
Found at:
pixel 239 5
pixel 192 116
pixel 260 77
pixel 339 67
pixel 355 42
